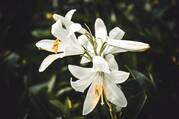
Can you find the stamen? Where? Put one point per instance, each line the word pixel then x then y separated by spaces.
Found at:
pixel 99 92
pixel 102 100
pixel 55 46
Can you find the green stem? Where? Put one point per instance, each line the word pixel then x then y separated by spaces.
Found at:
pixel 111 111
pixel 89 56
pixel 92 40
pixel 111 114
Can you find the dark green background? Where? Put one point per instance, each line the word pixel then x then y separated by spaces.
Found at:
pixel 24 93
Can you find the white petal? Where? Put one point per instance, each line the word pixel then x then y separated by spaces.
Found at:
pixel 80 72
pixel 69 14
pixel 92 97
pixel 63 20
pixel 129 45
pixel 48 60
pixel 112 62
pixel 82 84
pixel 100 29
pixel 99 64
pixel 74 49
pixel 114 94
pixel 45 44
pixel 56 17
pixel 118 76
pixel 48 45
pixel 116 33
pixel 75 27
pixel 83 40
pixel 84 60
pixel 58 31
pixel 112 50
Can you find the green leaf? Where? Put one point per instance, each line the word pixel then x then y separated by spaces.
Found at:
pixel 48 86
pixel 135 105
pixel 37 88
pixel 59 105
pixel 64 90
pixel 68 103
pixel 78 117
pixel 41 33
pixel 51 83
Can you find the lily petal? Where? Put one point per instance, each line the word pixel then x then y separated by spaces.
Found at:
pixel 99 64
pixel 92 97
pixel 74 49
pixel 100 29
pixel 113 50
pixel 50 45
pixel 81 84
pixel 75 27
pixel 58 31
pixel 83 40
pixel 78 71
pixel 118 76
pixel 116 33
pixel 129 45
pixel 84 60
pixel 56 17
pixel 48 60
pixel 69 14
pixel 114 94
pixel 112 62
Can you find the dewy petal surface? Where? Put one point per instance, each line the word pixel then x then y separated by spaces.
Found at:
pixel 100 29
pixel 48 60
pixel 92 97
pixel 114 94
pixel 129 45
pixel 116 33
pixel 99 64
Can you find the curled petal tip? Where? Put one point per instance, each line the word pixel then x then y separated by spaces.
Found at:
pixel 55 16
pixel 144 47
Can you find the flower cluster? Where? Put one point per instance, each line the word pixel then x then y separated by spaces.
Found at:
pixel 102 78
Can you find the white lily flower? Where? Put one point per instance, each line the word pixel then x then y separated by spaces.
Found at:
pixel 109 44
pixel 68 24
pixel 101 82
pixel 115 44
pixel 64 45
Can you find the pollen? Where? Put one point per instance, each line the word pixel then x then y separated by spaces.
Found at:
pixel 99 92
pixel 55 46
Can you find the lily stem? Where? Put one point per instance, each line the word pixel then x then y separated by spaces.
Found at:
pixel 111 111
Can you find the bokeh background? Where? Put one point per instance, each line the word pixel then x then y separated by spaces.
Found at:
pixel 152 90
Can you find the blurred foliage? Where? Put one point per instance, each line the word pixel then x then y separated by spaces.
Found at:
pixel 28 94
